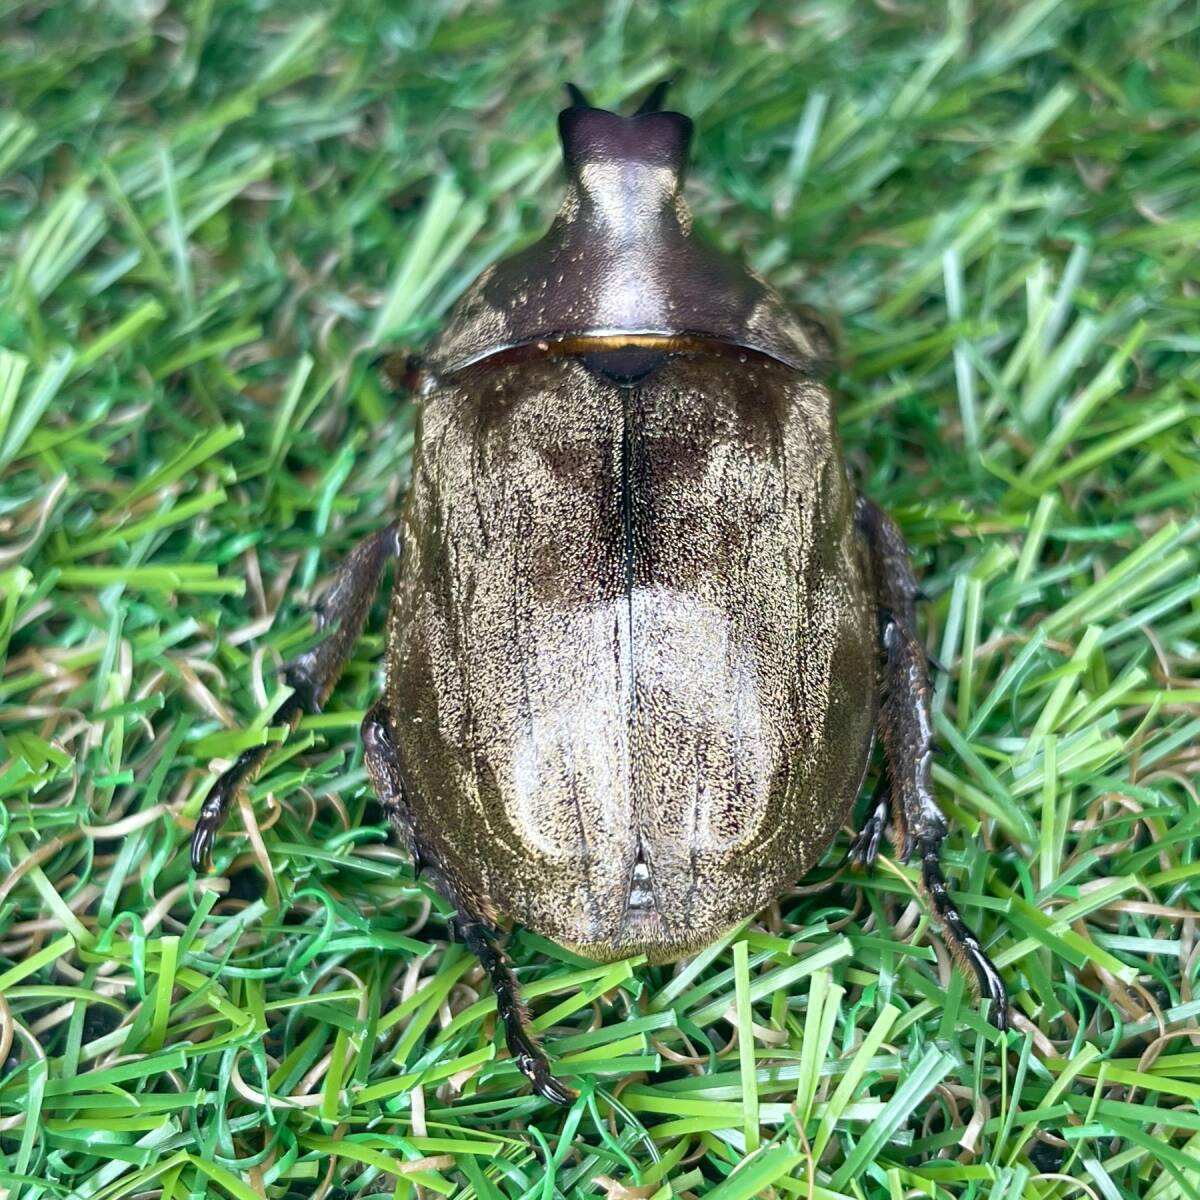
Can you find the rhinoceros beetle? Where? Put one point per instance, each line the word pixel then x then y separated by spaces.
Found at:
pixel 639 619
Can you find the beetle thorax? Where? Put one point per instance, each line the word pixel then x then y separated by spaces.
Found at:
pixel 628 200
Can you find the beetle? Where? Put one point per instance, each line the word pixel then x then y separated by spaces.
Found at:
pixel 640 620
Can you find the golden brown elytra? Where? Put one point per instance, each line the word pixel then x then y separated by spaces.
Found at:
pixel 638 619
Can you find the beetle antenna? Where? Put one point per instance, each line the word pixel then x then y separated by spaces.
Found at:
pixel 654 100
pixel 578 99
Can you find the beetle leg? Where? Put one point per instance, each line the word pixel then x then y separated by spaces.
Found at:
pixel 864 848
pixel 343 610
pixel 473 930
pixel 526 1053
pixel 383 766
pixel 907 732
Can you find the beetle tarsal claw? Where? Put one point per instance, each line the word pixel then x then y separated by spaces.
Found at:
pixel 220 797
pixel 535 1068
pixel 203 839
pixel 864 848
pixel 556 1091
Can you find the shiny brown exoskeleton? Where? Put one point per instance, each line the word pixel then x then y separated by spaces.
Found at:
pixel 635 638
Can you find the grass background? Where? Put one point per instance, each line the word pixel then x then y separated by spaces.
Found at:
pixel 213 217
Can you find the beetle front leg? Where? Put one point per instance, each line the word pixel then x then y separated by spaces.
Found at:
pixel 907 732
pixel 343 610
pixel 473 930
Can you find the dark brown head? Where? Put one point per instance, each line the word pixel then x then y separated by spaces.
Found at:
pixel 620 258
pixel 650 137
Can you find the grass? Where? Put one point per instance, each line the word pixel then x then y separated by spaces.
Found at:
pixel 213 217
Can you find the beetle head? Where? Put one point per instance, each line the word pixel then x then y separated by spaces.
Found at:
pixel 649 141
pixel 625 173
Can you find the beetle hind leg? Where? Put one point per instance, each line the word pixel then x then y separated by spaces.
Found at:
pixel 907 734
pixel 343 610
pixel 472 929
pixel 527 1054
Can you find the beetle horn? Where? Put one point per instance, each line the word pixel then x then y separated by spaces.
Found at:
pixel 654 99
pixel 578 99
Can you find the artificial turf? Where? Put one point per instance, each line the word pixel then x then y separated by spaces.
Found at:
pixel 214 216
